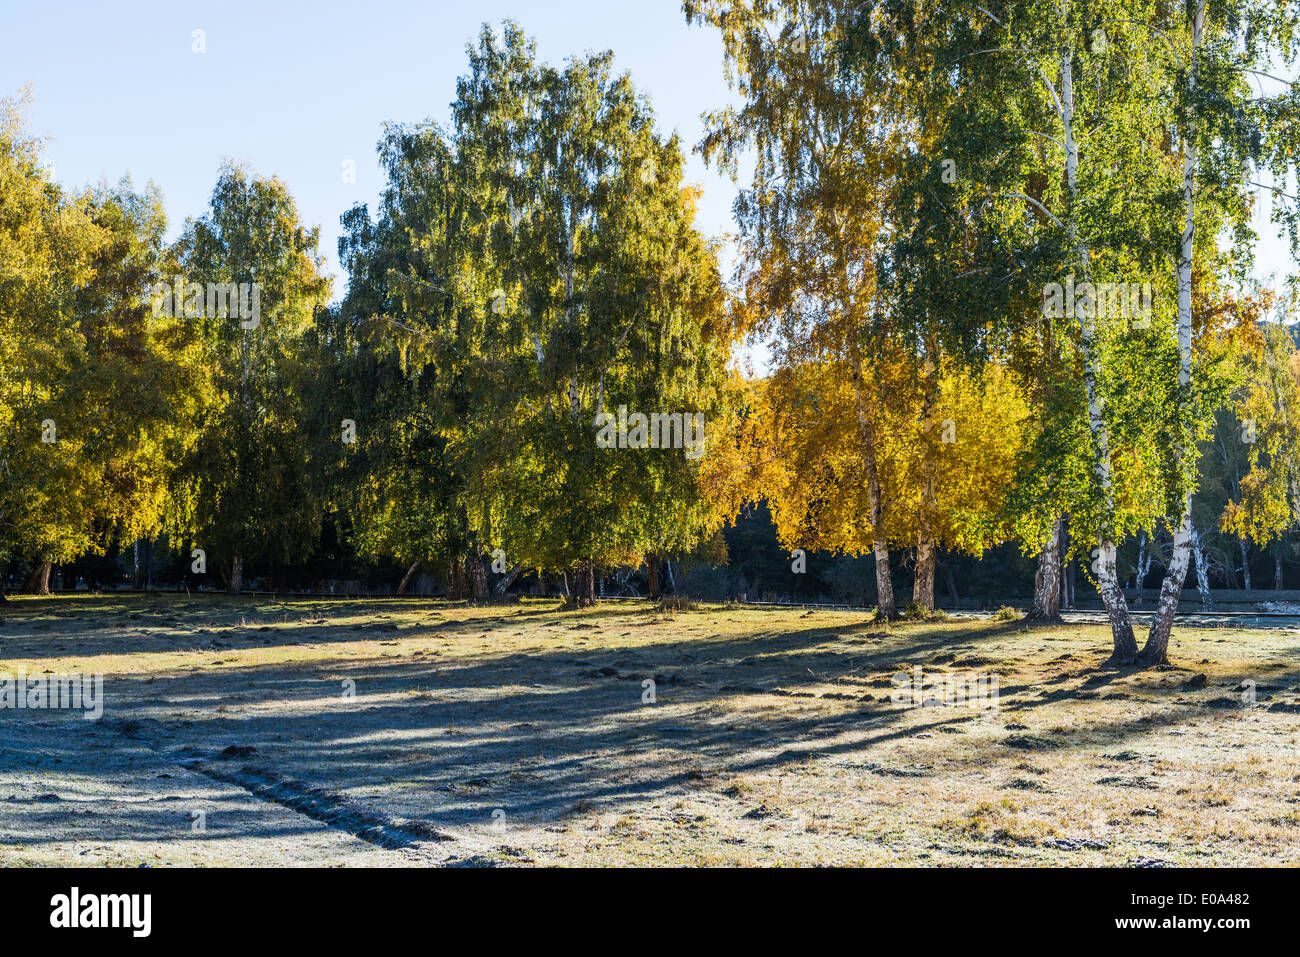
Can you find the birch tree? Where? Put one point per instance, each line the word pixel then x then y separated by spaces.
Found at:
pixel 823 133
pixel 246 490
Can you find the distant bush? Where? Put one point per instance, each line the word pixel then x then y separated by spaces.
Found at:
pixel 914 611
pixel 677 603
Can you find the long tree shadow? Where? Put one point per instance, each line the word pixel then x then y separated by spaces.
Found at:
pixel 548 732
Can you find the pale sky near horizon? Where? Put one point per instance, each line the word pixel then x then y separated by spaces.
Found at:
pixel 296 88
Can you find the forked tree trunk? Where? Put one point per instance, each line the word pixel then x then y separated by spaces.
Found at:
pixel 652 574
pixel 1047 580
pixel 38 583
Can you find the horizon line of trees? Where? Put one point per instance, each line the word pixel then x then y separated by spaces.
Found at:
pixel 756 568
pixel 913 176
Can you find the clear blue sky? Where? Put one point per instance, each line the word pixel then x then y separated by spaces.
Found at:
pixel 296 88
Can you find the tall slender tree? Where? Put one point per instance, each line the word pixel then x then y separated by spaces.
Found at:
pixel 246 490
pixel 824 131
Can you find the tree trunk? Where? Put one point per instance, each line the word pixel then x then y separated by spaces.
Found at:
pixel 508 579
pixel 1277 568
pixel 237 574
pixel 455 580
pixel 406 579
pixel 672 581
pixel 1124 649
pixel 1145 551
pixel 886 608
pixel 1047 580
pixel 584 584
pixel 652 574
pixel 1157 647
pixel 38 583
pixel 1245 563
pixel 477 575
pixel 923 580
pixel 1202 575
pixel 1156 651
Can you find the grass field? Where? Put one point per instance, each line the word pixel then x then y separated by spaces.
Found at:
pixel 411 732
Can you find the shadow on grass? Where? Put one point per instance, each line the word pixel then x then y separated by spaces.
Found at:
pixel 545 734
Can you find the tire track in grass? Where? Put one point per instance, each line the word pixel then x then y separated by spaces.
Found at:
pixel 320 804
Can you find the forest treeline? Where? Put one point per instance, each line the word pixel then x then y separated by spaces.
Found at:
pixel 1002 253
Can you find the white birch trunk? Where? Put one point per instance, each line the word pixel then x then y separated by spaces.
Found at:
pixel 1047 580
pixel 1202 573
pixel 1112 594
pixel 1157 646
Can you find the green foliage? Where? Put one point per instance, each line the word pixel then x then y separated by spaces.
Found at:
pixel 98 398
pixel 247 489
pixel 922 172
pixel 530 269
